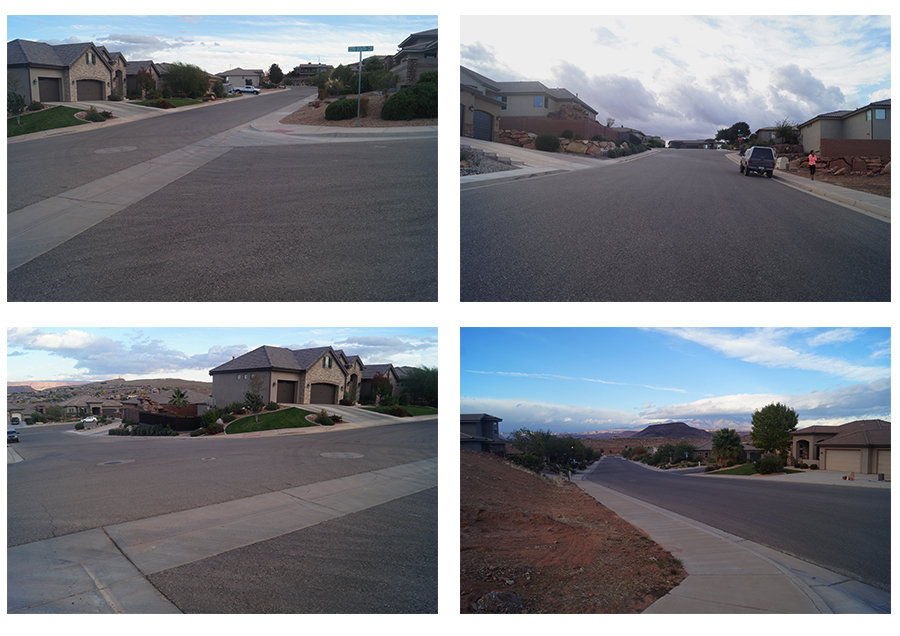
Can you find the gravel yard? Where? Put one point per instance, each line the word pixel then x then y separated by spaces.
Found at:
pixel 478 164
pixel 313 114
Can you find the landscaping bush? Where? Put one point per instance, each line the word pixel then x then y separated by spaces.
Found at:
pixel 93 115
pixel 546 142
pixel 346 109
pixel 367 400
pixel 195 433
pixel 567 134
pixel 215 429
pixel 323 419
pixel 814 467
pixel 272 406
pixel 611 153
pixel 228 417
pixel 419 101
pixel 346 402
pixel 527 460
pixel 210 416
pixel 79 426
pixel 35 105
pixel 768 465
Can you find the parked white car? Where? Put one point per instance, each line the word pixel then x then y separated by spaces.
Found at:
pixel 245 89
pixel 89 420
pixel 12 435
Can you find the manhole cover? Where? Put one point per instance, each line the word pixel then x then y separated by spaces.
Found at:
pixel 109 151
pixel 342 455
pixel 115 462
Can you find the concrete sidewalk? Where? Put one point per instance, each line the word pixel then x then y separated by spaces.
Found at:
pixel 872 204
pixel 729 575
pixel 104 570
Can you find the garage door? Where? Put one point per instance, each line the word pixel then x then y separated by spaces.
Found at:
pixel 842 460
pixel 483 125
pixel 90 90
pixel 883 463
pixel 322 394
pixel 286 392
pixel 48 89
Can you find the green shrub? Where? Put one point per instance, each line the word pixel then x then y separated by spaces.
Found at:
pixel 527 460
pixel 323 419
pixel 346 402
pixel 93 115
pixel 768 465
pixel 210 416
pixel 546 142
pixel 272 406
pixel 346 109
pixel 35 105
pixel 429 77
pixel 228 417
pixel 195 433
pixel 814 467
pixel 567 134
pixel 419 101
pixel 79 426
pixel 215 429
pixel 612 153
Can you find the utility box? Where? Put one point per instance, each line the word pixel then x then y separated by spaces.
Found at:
pixel 781 163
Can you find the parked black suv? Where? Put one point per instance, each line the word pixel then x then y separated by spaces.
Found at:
pixel 759 159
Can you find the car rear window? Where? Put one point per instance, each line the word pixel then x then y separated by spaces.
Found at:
pixel 762 153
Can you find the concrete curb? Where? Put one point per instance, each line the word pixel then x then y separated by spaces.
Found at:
pixel 727 574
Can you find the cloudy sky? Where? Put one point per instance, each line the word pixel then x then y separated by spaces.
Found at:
pixel 218 43
pixel 577 380
pixel 683 77
pixel 90 354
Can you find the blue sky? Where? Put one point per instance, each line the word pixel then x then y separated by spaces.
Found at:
pixel 218 43
pixel 90 354
pixel 686 77
pixel 578 380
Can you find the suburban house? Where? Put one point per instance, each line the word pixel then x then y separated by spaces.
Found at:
pixel 242 76
pixel 863 447
pixel 132 70
pixel 865 131
pixel 372 370
pixel 14 412
pixel 418 54
pixel 481 432
pixel 479 106
pixel 64 72
pixel 310 71
pixel 527 106
pixel 707 144
pixel 320 375
pixel 767 134
pixel 85 405
pixel 703 450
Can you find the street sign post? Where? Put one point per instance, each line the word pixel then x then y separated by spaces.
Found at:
pixel 351 49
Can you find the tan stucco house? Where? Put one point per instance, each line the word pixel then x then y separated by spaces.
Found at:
pixel 242 76
pixel 481 432
pixel 479 106
pixel 417 54
pixel 64 72
pixel 863 447
pixel 319 375
pixel 865 131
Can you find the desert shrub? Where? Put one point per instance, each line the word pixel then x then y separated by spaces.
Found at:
pixel 527 460
pixel 546 142
pixel 768 465
pixel 195 433
pixel 79 426
pixel 323 419
pixel 419 101
pixel 567 134
pixel 612 153
pixel 228 417
pixel 272 406
pixel 235 407
pixel 210 416
pixel 814 467
pixel 35 105
pixel 93 115
pixel 346 109
pixel 215 429
pixel 38 417
pixel 729 463
pixel 802 465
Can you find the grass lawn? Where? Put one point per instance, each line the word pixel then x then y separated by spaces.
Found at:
pixel 176 102
pixel 412 410
pixel 747 469
pixel 47 119
pixel 270 421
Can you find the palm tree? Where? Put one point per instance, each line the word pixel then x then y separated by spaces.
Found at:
pixel 726 444
pixel 179 398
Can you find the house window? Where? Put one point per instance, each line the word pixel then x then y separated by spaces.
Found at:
pixel 502 101
pixel 91 59
pixel 868 115
pixel 326 362
pixel 538 101
pixel 880 113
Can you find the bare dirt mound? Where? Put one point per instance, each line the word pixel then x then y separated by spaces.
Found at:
pixel 528 544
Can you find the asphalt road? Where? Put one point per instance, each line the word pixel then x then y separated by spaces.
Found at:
pixel 844 529
pixel 380 560
pixel 679 225
pixel 42 168
pixel 63 485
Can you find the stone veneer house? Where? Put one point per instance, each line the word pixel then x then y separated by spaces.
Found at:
pixel 418 54
pixel 863 447
pixel 306 376
pixel 64 72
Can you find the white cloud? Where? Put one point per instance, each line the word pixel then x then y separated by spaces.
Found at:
pixel 551 376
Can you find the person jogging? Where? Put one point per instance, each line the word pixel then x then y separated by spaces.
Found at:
pixel 812 165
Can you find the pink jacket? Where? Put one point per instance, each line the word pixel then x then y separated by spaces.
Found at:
pixel 812 159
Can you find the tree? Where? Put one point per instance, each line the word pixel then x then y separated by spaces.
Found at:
pixel 784 130
pixel 145 80
pixel 421 385
pixel 772 426
pixel 15 104
pixel 179 398
pixel 382 386
pixel 609 122
pixel 253 398
pixel 186 80
pixel 373 63
pixel 55 413
pixel 740 129
pixel 726 444
pixel 275 74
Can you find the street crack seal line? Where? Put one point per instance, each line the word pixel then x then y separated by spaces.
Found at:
pixel 115 462
pixel 342 455
pixel 109 151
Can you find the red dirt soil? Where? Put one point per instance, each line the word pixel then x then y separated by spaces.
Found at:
pixel 529 544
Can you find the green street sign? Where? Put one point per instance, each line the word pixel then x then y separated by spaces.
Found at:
pixel 360 48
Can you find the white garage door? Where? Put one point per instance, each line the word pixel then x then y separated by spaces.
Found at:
pixel 884 463
pixel 842 460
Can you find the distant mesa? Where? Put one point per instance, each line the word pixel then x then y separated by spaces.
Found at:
pixel 672 430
